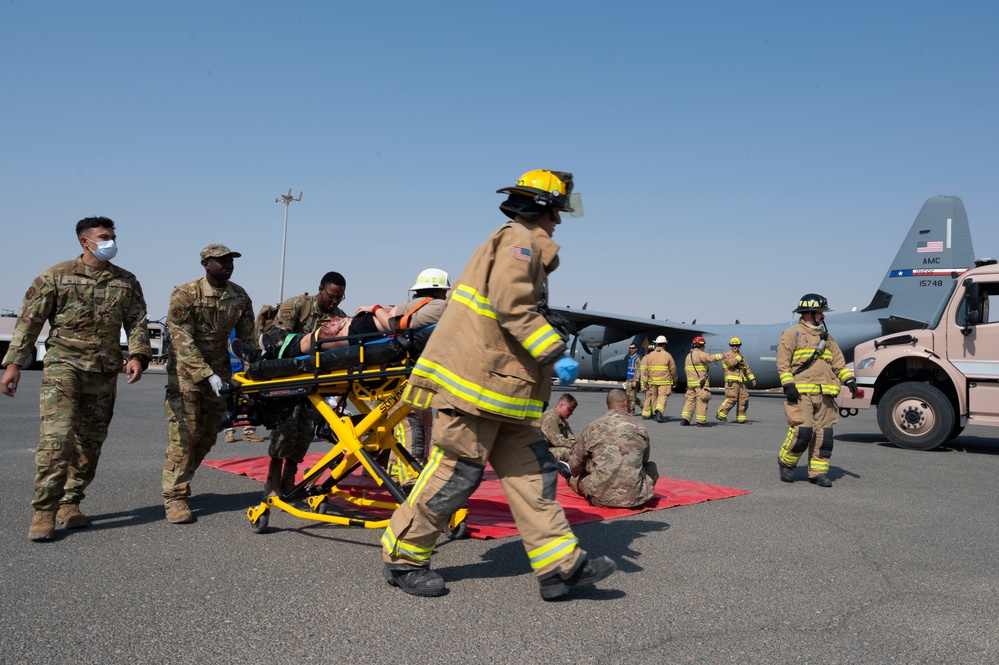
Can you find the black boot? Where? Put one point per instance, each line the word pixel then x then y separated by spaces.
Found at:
pixel 415 580
pixel 821 481
pixel 786 473
pixel 587 572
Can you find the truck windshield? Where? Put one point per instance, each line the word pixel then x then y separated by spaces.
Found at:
pixel 943 305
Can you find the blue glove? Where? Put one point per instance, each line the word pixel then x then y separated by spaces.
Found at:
pixel 567 371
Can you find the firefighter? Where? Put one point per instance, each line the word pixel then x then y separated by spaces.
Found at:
pixel 487 372
pixel 811 368
pixel 698 390
pixel 737 375
pixel 659 376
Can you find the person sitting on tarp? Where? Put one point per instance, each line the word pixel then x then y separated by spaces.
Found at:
pixel 609 464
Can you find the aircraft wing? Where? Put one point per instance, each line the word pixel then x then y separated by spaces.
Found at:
pixel 605 328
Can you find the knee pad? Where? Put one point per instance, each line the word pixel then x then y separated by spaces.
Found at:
pixel 548 467
pixel 801 441
pixel 465 480
pixel 825 450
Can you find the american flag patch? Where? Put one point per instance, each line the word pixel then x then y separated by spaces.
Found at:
pixel 929 247
pixel 521 253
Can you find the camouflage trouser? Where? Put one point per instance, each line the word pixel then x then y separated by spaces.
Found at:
pixel 735 393
pixel 697 403
pixel 810 427
pixel 291 439
pixel 631 390
pixel 76 407
pixel 193 422
pixel 519 455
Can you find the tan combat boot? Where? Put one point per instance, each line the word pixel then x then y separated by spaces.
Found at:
pixel 42 525
pixel 230 436
pixel 252 436
pixel 71 516
pixel 177 512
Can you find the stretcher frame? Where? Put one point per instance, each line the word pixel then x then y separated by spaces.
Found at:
pixel 359 440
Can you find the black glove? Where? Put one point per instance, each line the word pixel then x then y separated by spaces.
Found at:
pixel 791 392
pixel 851 384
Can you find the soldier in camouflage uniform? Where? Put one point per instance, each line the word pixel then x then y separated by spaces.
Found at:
pixel 200 316
pixel 86 301
pixel 610 464
pixel 299 315
pixel 633 380
pixel 555 427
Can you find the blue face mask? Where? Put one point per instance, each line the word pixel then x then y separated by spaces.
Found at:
pixel 105 250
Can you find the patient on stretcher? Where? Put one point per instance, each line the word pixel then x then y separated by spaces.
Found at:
pixel 425 309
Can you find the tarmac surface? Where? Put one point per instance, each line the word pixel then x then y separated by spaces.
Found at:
pixel 895 563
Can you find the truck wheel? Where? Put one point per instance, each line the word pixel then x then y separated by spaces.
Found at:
pixel 916 416
pixel 955 432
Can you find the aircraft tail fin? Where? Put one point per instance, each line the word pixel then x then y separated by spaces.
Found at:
pixel 937 248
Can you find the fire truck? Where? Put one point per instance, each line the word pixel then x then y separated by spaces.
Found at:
pixel 929 383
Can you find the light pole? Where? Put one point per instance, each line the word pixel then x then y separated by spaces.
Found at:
pixel 286 199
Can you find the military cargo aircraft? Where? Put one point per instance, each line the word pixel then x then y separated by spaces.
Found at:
pixel 937 249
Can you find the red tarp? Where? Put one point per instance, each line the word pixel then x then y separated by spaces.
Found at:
pixel 488 512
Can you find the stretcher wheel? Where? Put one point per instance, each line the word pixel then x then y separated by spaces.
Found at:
pixel 460 531
pixel 324 508
pixel 261 524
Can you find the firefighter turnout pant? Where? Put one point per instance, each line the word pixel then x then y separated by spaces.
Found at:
pixel 735 393
pixel 656 398
pixel 696 404
pixel 461 446
pixel 810 428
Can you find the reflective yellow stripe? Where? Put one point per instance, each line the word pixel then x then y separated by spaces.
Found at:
pixel 417 397
pixel 406 550
pixel 487 400
pixel 555 550
pixel 785 450
pixel 436 455
pixel 800 354
pixel 466 295
pixel 786 377
pixel 844 374
pixel 818 388
pixel 541 341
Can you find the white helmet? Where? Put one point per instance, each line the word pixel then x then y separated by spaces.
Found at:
pixel 661 340
pixel 431 278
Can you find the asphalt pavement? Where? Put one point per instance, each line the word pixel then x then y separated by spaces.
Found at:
pixel 895 563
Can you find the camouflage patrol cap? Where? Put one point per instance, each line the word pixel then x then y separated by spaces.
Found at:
pixel 217 250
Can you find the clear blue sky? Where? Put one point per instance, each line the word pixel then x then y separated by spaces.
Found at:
pixel 731 155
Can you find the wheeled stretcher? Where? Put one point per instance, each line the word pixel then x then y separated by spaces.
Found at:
pixel 356 390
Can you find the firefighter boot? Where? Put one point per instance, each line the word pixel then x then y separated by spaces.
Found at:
pixel 821 481
pixel 587 572
pixel 71 516
pixel 42 525
pixel 415 580
pixel 273 483
pixel 786 473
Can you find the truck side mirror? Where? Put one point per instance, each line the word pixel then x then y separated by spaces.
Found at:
pixel 972 308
